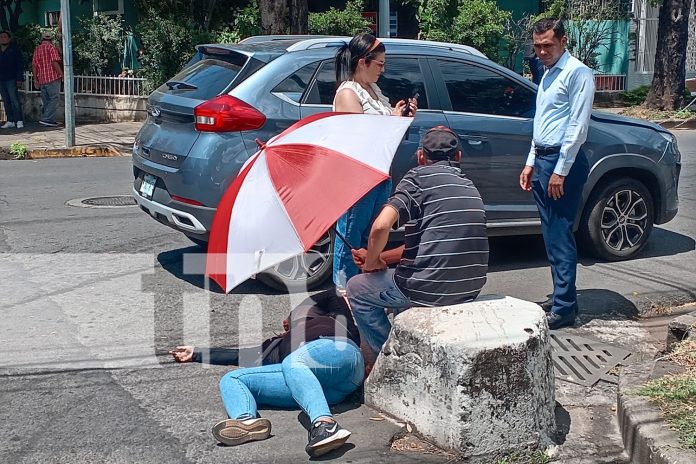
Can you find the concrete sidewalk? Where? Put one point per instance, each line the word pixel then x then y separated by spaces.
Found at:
pixel 118 136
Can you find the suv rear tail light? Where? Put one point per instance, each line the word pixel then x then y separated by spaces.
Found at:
pixel 227 114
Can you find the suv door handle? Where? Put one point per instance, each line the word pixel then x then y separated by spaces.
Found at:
pixel 473 139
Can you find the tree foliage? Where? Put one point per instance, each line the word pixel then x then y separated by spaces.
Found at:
pixel 478 23
pixel 588 25
pixel 348 21
pixel 98 44
pixel 10 11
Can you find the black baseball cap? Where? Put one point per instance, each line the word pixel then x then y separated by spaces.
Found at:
pixel 440 144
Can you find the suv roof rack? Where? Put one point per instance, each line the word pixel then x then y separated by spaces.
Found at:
pixel 338 41
pixel 272 38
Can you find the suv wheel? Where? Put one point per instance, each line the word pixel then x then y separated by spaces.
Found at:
pixel 618 219
pixel 303 272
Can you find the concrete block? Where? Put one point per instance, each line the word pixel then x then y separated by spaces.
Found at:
pixel 475 378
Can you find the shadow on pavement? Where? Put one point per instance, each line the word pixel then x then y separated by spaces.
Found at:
pixel 604 305
pixel 193 259
pixel 562 423
pixel 525 252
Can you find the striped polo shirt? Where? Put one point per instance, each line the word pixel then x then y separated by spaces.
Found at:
pixel 446 256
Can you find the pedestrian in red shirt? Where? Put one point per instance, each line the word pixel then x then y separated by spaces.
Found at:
pixel 48 73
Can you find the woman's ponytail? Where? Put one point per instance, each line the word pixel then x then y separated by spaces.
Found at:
pixel 343 59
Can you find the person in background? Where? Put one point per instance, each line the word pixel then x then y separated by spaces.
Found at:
pixel 11 78
pixel 48 73
pixel 359 64
pixel 536 67
pixel 556 169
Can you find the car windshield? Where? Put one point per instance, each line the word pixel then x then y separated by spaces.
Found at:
pixel 206 78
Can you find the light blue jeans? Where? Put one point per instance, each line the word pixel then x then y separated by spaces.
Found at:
pixel 50 93
pixel 355 225
pixel 317 374
pixel 368 295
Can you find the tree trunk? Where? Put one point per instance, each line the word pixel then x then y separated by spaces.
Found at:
pixel 274 16
pixel 667 90
pixel 299 16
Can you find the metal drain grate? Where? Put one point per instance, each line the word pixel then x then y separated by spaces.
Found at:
pixel 113 201
pixel 584 361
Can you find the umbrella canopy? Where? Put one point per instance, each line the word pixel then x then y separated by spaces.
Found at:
pixel 295 188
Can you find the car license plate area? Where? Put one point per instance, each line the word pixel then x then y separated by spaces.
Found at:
pixel 147 188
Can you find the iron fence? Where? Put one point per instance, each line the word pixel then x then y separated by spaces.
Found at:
pixel 610 82
pixel 110 86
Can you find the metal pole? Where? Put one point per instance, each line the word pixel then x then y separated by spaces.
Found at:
pixel 68 74
pixel 383 27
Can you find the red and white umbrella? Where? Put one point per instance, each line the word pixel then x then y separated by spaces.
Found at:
pixel 295 188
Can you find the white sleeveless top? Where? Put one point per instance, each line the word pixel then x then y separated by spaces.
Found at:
pixel 369 104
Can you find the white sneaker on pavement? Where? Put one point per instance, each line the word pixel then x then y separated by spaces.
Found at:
pixel 7 125
pixel 20 124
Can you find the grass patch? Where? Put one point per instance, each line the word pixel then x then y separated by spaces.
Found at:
pixel 676 397
pixel 641 112
pixel 537 457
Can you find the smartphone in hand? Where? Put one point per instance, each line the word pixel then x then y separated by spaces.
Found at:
pixel 407 110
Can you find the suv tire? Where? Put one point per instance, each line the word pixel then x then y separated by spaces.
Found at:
pixel 304 272
pixel 618 219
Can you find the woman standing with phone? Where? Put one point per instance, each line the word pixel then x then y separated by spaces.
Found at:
pixel 359 64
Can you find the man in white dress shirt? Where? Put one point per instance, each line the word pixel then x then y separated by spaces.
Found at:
pixel 556 168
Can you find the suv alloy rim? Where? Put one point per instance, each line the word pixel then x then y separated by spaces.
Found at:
pixel 624 220
pixel 307 264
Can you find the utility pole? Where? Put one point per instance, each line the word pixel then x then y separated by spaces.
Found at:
pixel 383 27
pixel 68 74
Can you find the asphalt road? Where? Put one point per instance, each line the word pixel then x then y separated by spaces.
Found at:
pixel 91 300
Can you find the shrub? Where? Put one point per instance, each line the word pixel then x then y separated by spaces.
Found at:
pixel 168 44
pixel 339 22
pixel 18 150
pixel 98 45
pixel 636 96
pixel 478 23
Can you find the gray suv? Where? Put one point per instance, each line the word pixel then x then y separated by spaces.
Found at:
pixel 205 122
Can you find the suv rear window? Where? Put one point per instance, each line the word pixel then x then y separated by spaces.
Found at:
pixel 208 77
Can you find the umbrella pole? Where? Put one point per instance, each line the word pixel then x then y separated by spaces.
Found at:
pixel 343 239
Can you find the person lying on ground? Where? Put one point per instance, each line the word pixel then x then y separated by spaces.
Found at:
pixel 315 363
pixel 445 254
pixel 308 319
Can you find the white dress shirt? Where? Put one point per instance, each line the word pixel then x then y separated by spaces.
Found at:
pixel 563 110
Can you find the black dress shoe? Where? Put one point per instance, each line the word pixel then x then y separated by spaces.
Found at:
pixel 546 305
pixel 557 321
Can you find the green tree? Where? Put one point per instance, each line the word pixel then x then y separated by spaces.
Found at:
pixel 98 44
pixel 482 25
pixel 478 23
pixel 348 21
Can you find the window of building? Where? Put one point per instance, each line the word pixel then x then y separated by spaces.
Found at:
pixel 107 7
pixel 52 18
pixel 475 89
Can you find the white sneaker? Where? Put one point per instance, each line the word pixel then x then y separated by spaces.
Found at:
pixel 20 124
pixel 7 125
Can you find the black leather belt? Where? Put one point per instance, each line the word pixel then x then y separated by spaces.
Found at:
pixel 544 151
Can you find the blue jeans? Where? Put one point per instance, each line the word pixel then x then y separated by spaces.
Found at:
pixel 557 219
pixel 355 225
pixel 11 101
pixel 317 374
pixel 49 98
pixel 368 295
